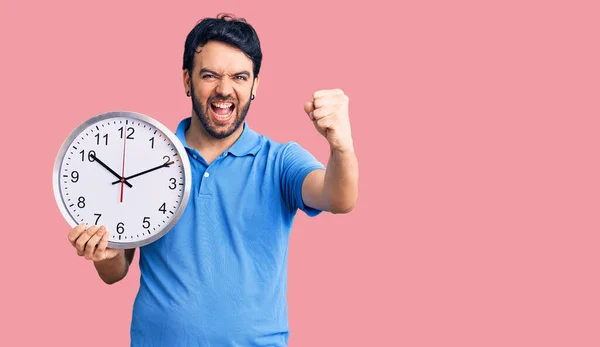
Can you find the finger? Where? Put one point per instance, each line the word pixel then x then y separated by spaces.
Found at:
pixel 100 253
pixel 323 112
pixel 90 246
pixel 75 232
pixel 339 99
pixel 325 123
pixel 325 92
pixel 309 107
pixel 84 238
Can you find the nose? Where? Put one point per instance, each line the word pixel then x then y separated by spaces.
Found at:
pixel 224 86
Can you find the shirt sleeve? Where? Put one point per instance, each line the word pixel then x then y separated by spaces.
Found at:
pixel 296 164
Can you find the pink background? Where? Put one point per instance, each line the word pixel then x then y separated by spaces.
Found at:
pixel 476 125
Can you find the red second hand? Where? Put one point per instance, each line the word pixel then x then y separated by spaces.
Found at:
pixel 123 166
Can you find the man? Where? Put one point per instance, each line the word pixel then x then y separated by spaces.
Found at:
pixel 218 278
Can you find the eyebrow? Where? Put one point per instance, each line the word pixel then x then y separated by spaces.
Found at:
pixel 205 70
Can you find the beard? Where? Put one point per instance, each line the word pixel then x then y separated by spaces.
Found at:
pixel 218 131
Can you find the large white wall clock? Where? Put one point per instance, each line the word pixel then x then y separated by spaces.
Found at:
pixel 126 171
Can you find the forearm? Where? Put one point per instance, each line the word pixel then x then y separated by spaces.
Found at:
pixel 341 181
pixel 113 270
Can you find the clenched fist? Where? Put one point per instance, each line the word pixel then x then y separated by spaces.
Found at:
pixel 329 113
pixel 92 243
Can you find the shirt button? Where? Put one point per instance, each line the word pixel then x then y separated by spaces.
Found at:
pixel 206 174
pixel 194 156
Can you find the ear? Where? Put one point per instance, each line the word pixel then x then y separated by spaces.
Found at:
pixel 186 81
pixel 255 85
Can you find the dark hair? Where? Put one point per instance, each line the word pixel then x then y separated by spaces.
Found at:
pixel 225 28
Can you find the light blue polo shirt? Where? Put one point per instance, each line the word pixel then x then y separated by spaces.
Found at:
pixel 219 277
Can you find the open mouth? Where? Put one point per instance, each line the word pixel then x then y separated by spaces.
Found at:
pixel 222 111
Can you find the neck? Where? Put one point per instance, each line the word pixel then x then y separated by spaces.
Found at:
pixel 209 147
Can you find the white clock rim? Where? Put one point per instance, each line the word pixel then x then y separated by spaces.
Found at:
pixel 187 172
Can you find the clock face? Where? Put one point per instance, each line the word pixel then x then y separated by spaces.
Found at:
pixel 125 171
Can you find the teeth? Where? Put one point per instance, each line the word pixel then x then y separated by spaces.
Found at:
pixel 222 105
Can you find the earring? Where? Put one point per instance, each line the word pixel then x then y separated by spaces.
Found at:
pixel 188 93
pixel 252 97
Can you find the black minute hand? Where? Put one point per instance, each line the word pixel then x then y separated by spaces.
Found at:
pixel 110 170
pixel 145 172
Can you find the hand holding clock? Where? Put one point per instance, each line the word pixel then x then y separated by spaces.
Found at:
pixel 92 243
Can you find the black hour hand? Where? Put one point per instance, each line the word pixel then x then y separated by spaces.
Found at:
pixel 109 169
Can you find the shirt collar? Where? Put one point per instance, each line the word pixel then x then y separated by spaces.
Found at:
pixel 247 143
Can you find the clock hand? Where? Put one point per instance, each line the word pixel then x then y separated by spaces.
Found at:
pixel 123 167
pixel 145 172
pixel 110 170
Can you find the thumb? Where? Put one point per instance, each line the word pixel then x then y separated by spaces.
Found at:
pixel 309 108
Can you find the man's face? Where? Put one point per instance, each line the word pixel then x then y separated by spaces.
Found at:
pixel 221 84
